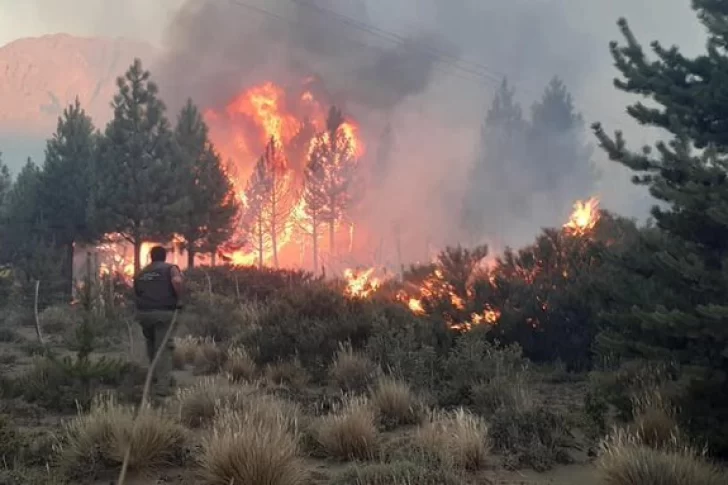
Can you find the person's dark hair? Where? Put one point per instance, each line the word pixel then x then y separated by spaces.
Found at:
pixel 158 253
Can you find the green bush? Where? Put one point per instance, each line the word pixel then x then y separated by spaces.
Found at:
pixel 533 437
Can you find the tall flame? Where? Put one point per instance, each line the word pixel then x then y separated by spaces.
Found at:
pixel 584 217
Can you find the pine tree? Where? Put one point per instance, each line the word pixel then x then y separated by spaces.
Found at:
pixel 335 161
pixel 314 196
pixel 210 206
pixel 25 241
pixel 65 182
pixel 496 178
pixel 5 182
pixel 688 176
pixel 560 163
pixel 136 192
pixel 271 200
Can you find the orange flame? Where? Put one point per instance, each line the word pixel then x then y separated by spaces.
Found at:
pixel 361 284
pixel 584 217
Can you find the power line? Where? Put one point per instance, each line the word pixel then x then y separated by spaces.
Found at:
pixel 470 75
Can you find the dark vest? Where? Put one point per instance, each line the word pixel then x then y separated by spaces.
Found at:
pixel 153 288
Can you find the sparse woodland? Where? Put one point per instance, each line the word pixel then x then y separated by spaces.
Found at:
pixel 597 355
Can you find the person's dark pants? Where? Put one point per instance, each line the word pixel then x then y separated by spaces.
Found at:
pixel 155 324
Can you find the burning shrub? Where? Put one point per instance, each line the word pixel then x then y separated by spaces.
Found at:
pixel 351 432
pixel 625 461
pixel 396 404
pixel 99 439
pixel 456 439
pixel 239 366
pixel 241 448
pixel 351 370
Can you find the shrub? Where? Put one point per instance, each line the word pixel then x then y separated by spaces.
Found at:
pixel 239 366
pixel 289 373
pixel 100 438
pixel 475 361
pixel 308 322
pixel 396 403
pixel 351 370
pixel 9 335
pixel 59 319
pixel 212 316
pixel 209 357
pixel 625 461
pixel 502 391
pixel 198 404
pixel 533 437
pixel 351 432
pixel 185 351
pixel 458 439
pixel 64 384
pixel 396 473
pixel 243 449
pixel 654 422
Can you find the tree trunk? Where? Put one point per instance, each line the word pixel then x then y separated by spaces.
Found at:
pixel 190 256
pixel 314 232
pixel 260 245
pixel 137 255
pixel 68 271
pixel 274 242
pixel 332 239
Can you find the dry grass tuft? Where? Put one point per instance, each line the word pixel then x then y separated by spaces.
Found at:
pixel 185 351
pixel 242 449
pixel 198 404
pixel 626 461
pixel 396 403
pixel 289 373
pixel 99 439
pixel 239 366
pixel 396 473
pixel 352 371
pixel 654 423
pixel 209 357
pixel 351 432
pixel 458 439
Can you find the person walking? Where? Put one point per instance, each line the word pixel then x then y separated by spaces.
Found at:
pixel 158 291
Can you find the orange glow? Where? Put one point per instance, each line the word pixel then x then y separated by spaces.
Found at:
pixel 361 284
pixel 584 217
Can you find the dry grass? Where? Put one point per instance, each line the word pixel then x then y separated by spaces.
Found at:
pixel 289 373
pixel 396 473
pixel 352 371
pixel 396 403
pixel 351 432
pixel 209 357
pixel 98 439
pixel 185 351
pixel 458 439
pixel 626 461
pixel 507 390
pixel 239 366
pixel 654 423
pixel 242 449
pixel 198 404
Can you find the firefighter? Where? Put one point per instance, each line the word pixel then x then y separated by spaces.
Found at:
pixel 158 290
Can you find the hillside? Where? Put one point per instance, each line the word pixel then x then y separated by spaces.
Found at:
pixel 40 76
